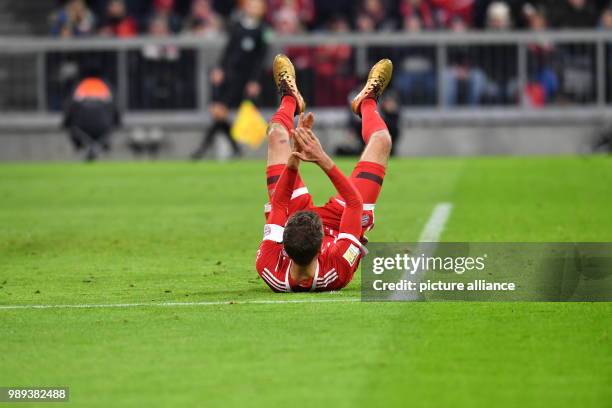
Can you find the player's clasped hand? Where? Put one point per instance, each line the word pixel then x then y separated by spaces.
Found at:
pixel 306 121
pixel 308 146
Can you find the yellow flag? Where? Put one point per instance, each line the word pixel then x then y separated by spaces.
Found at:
pixel 249 126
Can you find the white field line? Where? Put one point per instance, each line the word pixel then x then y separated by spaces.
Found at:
pixel 428 242
pixel 176 304
pixel 436 223
pixel 429 238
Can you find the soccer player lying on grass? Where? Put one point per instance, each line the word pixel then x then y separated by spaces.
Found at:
pixel 308 248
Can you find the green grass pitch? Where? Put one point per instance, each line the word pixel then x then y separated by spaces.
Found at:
pixel 112 233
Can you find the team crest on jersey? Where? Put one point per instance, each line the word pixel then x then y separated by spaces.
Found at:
pixel 351 254
pixel 365 219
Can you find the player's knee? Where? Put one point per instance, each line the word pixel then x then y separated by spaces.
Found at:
pixel 382 139
pixel 278 144
pixel 277 135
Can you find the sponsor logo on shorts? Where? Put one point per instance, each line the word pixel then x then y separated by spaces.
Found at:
pixel 267 230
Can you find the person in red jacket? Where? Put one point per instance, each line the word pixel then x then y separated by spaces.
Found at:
pixel 308 248
pixel 117 23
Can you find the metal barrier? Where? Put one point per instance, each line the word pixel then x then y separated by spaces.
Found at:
pixel 475 76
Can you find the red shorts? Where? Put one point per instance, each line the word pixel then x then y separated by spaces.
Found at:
pixel 367 177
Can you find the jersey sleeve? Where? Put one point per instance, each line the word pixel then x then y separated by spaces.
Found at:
pixel 340 266
pixel 268 257
pixel 350 223
pixel 346 252
pixel 271 247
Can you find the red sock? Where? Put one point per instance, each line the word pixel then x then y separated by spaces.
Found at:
pixel 371 121
pixel 285 113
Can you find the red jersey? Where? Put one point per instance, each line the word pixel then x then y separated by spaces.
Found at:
pixel 339 256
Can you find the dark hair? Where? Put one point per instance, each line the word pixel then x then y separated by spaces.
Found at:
pixel 303 236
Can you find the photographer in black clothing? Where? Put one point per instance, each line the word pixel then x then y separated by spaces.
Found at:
pixel 236 77
pixel 90 116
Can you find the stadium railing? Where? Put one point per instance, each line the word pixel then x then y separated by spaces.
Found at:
pixel 441 77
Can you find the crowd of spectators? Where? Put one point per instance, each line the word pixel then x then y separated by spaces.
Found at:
pixel 126 18
pixel 474 75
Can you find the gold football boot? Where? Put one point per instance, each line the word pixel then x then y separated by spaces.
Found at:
pixel 284 77
pixel 378 80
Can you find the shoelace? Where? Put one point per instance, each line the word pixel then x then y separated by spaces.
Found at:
pixel 284 80
pixel 377 84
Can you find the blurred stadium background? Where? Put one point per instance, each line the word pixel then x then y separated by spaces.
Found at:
pixel 133 282
pixel 471 76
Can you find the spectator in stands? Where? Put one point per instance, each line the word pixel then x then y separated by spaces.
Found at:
pixel 377 11
pixel 572 13
pixel 203 20
pixel 164 9
pixel 90 115
pixel 498 16
pixel 605 22
pixel 461 76
pixel 328 10
pixel 365 24
pixel 158 68
pixel 238 73
pixel 481 9
pixel 417 15
pixel 416 77
pixel 73 20
pixel 304 10
pixel 543 80
pixel 286 22
pixel 159 27
pixel 333 68
pixel 498 62
pixel 450 11
pixel 117 23
pixel 577 64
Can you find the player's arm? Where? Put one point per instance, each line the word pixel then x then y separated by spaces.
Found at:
pixel 273 230
pixel 347 249
pixel 310 149
pixel 271 245
pixel 275 224
pixel 282 193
